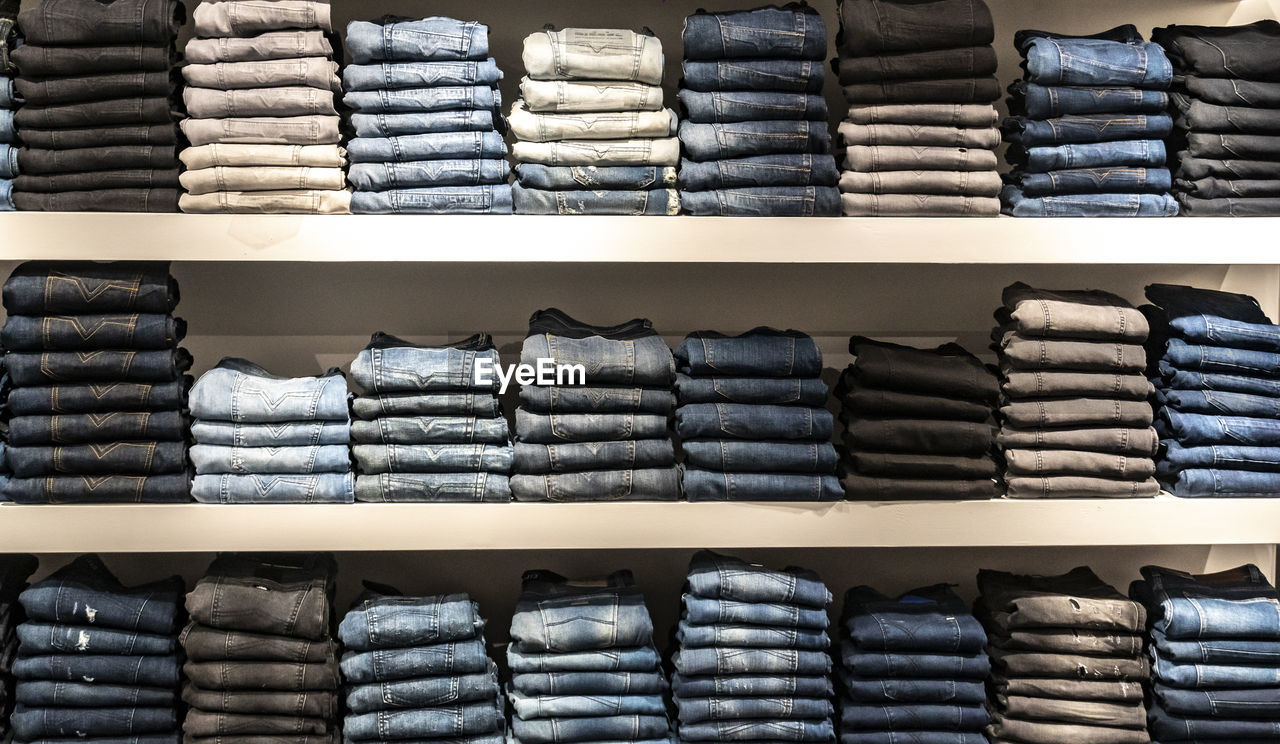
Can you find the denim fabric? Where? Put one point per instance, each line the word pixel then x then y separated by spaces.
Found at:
pixel 722 660
pixel 1175 457
pixel 83 489
pixel 744 421
pixel 1231 146
pixel 100 181
pixel 1225 91
pixel 636 659
pixel 772 75
pixel 92 428
pixel 574 706
pixel 759 730
pixel 137 458
pixel 915 716
pixel 420 74
pixel 1043 462
pixel 631 727
pixel 1221 360
pixel 1103 180
pixel 918 737
pixel 1222 51
pixel 249 19
pixel 557 615
pixel 390 621
pixel 567 458
pixel 734 106
pixel 262 178
pixel 239 390
pixel 422 100
pixel 604 399
pixel 1216 651
pixel 86 593
pixel 567 96
pixel 425 692
pixel 1224 483
pixel 611 125
pixel 1188 168
pixel 130 110
pixel 649 484
pixel 736 456
pixel 467 486
pixel 1044 102
pixel 431 430
pixel 30 724
pixel 1028 664
pixel 1088 205
pixel 891 403
pixel 1222 404
pixel 284 594
pixel 83 288
pixel 391 364
pixel 1228 383
pixel 711 485
pixel 1194 676
pixel 941 115
pixel 906 465
pixel 205 103
pixel 263 130
pixel 289 44
pixel 379 126
pixel 760 171
pixel 1228 207
pixel 79 138
pixel 1258 192
pixel 590 177
pixel 902 664
pixel 810 391
pixel 262 675
pixel 38 161
pixel 974 90
pixel 35 694
pixel 265 488
pixel 725 577
pixel 913 691
pixel 752 685
pixel 1239 603
pixel 1076 599
pixel 89 332
pixel 384 665
pixel 214 459
pixel 202 643
pixel 1050 384
pixel 149 671
pixel 432 458
pixel 1079 487
pixel 913 135
pixel 918 436
pixel 793 32
pixel 435 38
pixel 1224 704
pixel 1206 117
pixel 1096 62
pixel 877 26
pixel 955 62
pixel 579 683
pixel 747 636
pixel 962 183
pixel 68 23
pixel 948 370
pixel 1089 155
pixel 1071 641
pixel 487 199
pixel 752 138
pixel 760 352
pixel 644 202
pixel 706 611
pixel 866 488
pixel 37 60
pixel 458 403
pixel 542 428
pixel 629 353
pixel 1076 413
pixel 1211 330
pixel 931 618
pixel 1085 129
pixel 1117 441
pixel 297 433
pixel 282 156
pixel 766 201
pixel 632 152
pixel 698 710
pixel 426 173
pixel 593 54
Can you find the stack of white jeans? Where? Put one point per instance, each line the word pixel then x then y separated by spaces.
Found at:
pixel 592 134
pixel 263 128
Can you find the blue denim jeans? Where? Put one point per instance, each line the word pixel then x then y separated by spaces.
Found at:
pixel 434 38
pixel 1138 153
pixel 808 391
pixel 489 199
pixel 482 404
pixel 213 459
pixel 464 487
pixel 322 488
pixel 378 76
pixel 436 122
pixel 433 458
pixel 759 731
pixel 710 485
pixel 438 659
pixel 552 428
pixel 910 691
pixel 50 638
pixel 630 353
pixel 931 618
pixel 1101 180
pixel 603 399
pixel 632 727
pixel 1214 331
pixel 704 611
pixel 795 169
pixel 1176 457
pixel 914 716
pixel 86 593
pixel 737 456
pixel 91 332
pixel 697 710
pixel 81 428
pixel 591 177
pixel 557 615
pixel 530 707
pixel 1085 129
pixel 706 107
pixel 148 671
pixel 744 421
pixel 634 659
pixel 1217 651
pixel 1182 379
pixel 631 454
pixel 1168 726
pixel 645 484
pixel 44 693
pixel 53 367
pixel 751 686
pixel 124 458
pixel 423 100
pixel 1225 704
pixel 467 719
pixel 450 145
pixel 1240 603
pixel 653 202
pixel 424 692
pixel 426 173
pixel 771 201
pixel 773 75
pixel 32 724
pixel 391 621
pixel 726 577
pixel 431 430
pixel 719 660
pixel 8 161
pixel 749 636
pixel 750 138
pixel 793 32
pixel 271 435
pixel 392 365
pixel 1044 102
pixel 1222 360
pixel 895 664
pixel 759 352
pixel 1220 404
pixel 1209 676
pixel 1097 62
pixel 1191 483
pixel 1087 205
pixel 587 683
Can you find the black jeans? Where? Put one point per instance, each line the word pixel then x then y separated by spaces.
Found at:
pixel 1225 92
pixel 1233 146
pixel 75 22
pixel 35 431
pixel 1076 599
pixel 956 90
pixel 98 180
pixel 948 370
pixel 977 61
pixel 285 594
pixel 869 488
pixel 86 332
pixel 44 61
pixel 871 27
pixel 1127 34
pixel 130 396
pixel 79 489
pixel 897 465
pixel 1245 52
pixel 254 676
pixel 50 91
pixel 1192 168
pixel 101 136
pixel 308 703
pixel 1221 188
pixel 891 403
pixel 1198 116
pixel 917 435
pixel 203 643
pixel 85 287
pixel 110 200
pixel 132 110
pixel 124 458
pixel 1234 207
pixel 29 368
pixel 41 162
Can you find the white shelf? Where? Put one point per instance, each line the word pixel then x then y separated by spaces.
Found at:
pixel 518 238
pixel 205 528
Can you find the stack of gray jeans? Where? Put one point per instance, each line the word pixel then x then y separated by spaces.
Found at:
pixel 427 428
pixel 1075 421
pixel 1066 659
pixel 595 426
pixel 263 129
pixel 262 439
pixel 427 121
pixel 592 134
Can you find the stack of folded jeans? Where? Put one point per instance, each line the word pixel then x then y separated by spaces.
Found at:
pixel 99 391
pixel 921 133
pixel 913 668
pixel 752 661
pixel 1066 657
pixel 97 661
pixel 1075 421
pixel 1089 117
pixel 263 129
pixel 606 437
pixel 1216 368
pixel 426 429
pixel 14 570
pixel 261 662
pixel 755 130
pixel 415 668
pixel 919 423
pixel 592 136
pixel 584 664
pixel 1215 654
pixel 9 101
pixel 751 419
pixel 262 439
pixel 1226 106
pixel 426 116
pixel 98 109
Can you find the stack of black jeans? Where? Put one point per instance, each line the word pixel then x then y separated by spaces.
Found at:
pixel 751 419
pixel 99 107
pixel 921 133
pixel 415 668
pixel 595 426
pixel 97 660
pixel 584 664
pixel 1215 654
pixel 918 423
pixel 1066 657
pixel 913 668
pixel 14 570
pixel 755 135
pixel 261 662
pixel 1215 361
pixel 99 391
pixel 753 660
pixel 1075 421
pixel 1226 118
